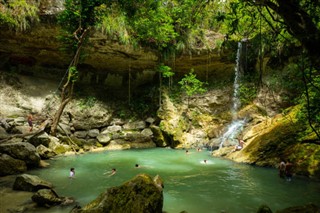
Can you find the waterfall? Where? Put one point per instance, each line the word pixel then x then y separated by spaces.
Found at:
pixel 233 130
pixel 236 126
pixel 236 83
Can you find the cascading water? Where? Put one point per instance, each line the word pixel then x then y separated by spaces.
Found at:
pixel 236 84
pixel 236 126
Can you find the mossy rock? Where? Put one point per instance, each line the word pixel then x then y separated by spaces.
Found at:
pixel 141 194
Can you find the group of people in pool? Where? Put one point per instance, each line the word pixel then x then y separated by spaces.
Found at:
pixel 198 150
pixel 111 173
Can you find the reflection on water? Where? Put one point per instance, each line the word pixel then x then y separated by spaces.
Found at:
pixel 189 183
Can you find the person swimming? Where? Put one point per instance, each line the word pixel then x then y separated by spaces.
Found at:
pixel 72 173
pixel 113 172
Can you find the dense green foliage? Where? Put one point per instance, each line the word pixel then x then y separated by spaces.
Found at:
pixel 191 85
pixel 18 14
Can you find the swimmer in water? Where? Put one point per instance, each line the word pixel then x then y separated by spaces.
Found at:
pixel 113 172
pixel 72 173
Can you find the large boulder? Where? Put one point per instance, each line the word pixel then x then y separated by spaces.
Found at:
pixel 141 194
pixel 22 151
pixel 42 139
pixel 44 152
pixel 10 166
pixel 93 133
pixel 30 183
pixel 57 147
pixel 104 139
pixel 46 197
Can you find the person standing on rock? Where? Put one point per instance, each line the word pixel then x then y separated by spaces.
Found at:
pixel 29 120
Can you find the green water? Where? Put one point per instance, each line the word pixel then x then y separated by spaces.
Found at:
pixel 189 184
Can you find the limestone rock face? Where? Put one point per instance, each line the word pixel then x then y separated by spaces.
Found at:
pixel 141 194
pixel 107 62
pixel 30 183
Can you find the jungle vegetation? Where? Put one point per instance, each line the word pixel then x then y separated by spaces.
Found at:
pixel 285 32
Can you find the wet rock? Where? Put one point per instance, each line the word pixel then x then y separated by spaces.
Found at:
pixel 30 183
pixel 141 194
pixel 10 166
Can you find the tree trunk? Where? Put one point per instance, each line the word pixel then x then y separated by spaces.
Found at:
pixel 57 116
pixel 67 90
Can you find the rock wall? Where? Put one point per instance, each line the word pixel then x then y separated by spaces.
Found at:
pixel 37 52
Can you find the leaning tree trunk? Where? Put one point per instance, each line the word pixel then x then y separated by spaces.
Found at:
pixel 67 89
pixel 65 99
